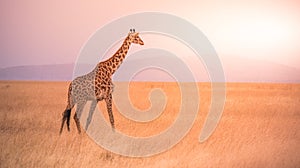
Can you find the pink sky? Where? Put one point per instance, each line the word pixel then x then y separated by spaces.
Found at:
pixel 52 32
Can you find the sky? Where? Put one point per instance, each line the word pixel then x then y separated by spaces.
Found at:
pixel 36 32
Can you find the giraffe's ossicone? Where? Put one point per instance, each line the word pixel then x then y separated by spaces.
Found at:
pixel 97 85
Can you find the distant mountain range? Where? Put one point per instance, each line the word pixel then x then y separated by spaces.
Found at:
pixel 59 72
pixel 236 70
pixel 239 69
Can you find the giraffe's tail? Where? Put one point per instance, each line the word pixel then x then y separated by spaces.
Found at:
pixel 67 113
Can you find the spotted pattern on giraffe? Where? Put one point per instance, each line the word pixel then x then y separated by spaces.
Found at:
pixel 96 85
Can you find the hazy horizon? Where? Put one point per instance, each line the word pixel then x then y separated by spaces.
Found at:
pixel 65 72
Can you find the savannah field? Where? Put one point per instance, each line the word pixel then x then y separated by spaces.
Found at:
pixel 260 127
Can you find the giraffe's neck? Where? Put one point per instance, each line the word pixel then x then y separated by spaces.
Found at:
pixel 116 60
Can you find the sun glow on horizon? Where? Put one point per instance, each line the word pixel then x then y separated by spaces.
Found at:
pixel 255 32
pixel 261 33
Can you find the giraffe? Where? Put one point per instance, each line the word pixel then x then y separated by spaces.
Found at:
pixel 97 85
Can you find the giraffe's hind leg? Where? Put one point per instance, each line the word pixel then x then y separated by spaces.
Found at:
pixel 77 115
pixel 66 116
pixel 91 112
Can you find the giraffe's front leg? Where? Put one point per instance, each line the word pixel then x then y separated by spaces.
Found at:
pixel 108 101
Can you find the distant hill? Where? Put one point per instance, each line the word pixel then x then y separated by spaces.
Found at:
pixel 38 72
pixel 236 70
pixel 239 69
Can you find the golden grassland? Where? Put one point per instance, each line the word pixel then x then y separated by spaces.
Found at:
pixel 259 128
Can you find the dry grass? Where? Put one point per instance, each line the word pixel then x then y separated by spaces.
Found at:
pixel 259 128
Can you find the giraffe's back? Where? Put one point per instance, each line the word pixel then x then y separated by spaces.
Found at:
pixel 83 87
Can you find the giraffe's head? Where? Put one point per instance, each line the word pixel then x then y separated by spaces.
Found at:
pixel 134 37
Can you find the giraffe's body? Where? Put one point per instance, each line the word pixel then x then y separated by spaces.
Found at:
pixel 96 85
